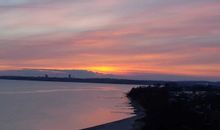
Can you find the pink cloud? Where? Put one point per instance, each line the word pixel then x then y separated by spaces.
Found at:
pixel 183 39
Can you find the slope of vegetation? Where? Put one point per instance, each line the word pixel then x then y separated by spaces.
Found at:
pixel 173 107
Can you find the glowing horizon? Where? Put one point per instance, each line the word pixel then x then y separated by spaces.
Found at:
pixel 112 37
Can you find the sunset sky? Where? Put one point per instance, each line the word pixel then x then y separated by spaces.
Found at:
pixel 179 37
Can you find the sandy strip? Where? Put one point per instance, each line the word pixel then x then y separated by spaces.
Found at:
pixel 125 124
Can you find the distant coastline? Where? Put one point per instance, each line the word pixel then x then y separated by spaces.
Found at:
pixel 80 80
pixel 105 80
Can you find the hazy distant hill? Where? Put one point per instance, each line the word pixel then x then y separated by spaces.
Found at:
pixel 52 73
pixel 90 74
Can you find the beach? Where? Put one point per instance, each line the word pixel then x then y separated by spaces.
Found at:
pixel 125 124
pixel 131 123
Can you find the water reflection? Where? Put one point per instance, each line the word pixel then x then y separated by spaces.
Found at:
pixel 29 105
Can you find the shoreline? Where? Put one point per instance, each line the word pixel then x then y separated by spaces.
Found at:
pixel 80 80
pixel 107 80
pixel 124 124
pixel 131 123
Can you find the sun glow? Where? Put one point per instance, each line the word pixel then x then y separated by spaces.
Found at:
pixel 103 69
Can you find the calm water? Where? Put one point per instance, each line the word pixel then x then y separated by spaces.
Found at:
pixel 28 105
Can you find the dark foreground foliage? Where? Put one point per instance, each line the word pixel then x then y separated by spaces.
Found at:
pixel 179 108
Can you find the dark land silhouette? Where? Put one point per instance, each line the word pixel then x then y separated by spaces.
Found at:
pixel 173 106
pixel 81 80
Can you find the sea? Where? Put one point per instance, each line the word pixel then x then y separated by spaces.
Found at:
pixel 35 105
